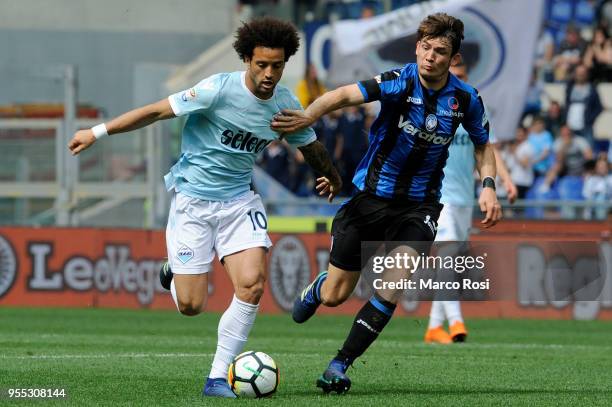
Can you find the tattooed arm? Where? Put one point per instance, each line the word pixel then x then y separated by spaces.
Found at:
pixel 317 157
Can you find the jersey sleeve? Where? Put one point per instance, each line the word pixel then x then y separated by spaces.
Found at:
pixel 492 135
pixel 301 137
pixel 476 121
pixel 387 86
pixel 199 98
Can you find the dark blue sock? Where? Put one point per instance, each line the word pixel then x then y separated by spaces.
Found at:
pixel 368 324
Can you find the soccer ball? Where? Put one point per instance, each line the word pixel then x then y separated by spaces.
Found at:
pixel 253 374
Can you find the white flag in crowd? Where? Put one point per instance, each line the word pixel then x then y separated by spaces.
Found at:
pixel 499 46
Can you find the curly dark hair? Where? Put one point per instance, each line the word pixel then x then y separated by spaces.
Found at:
pixel 266 32
pixel 442 25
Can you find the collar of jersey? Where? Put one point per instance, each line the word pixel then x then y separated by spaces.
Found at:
pixel 242 81
pixel 434 92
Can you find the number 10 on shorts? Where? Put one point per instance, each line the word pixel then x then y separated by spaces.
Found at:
pixel 258 219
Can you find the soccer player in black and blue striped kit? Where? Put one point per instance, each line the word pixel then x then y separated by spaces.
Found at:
pixel 398 180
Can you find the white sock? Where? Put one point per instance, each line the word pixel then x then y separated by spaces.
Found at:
pixel 436 316
pixel 173 292
pixel 234 327
pixel 452 309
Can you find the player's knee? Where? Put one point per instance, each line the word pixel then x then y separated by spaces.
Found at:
pixel 252 291
pixel 191 307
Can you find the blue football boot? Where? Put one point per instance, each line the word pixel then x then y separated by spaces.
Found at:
pixel 334 378
pixel 307 303
pixel 217 388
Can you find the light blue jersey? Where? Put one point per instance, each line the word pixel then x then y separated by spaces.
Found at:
pixel 227 127
pixel 458 183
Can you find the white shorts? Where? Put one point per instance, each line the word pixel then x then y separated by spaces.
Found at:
pixel 198 228
pixel 454 223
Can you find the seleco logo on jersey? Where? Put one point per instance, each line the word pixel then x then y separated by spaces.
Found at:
pixel 243 142
pixel 429 137
pixel 431 122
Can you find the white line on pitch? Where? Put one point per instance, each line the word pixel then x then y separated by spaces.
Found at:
pixel 383 343
pixel 138 355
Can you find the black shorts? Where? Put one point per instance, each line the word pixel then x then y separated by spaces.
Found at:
pixel 367 217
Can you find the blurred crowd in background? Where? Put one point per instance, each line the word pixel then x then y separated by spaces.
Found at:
pixel 343 132
pixel 554 155
pixel 558 154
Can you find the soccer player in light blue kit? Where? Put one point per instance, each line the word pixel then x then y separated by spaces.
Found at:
pixel 213 209
pixel 456 218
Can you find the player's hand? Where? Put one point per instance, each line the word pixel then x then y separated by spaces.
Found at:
pixel 288 121
pixel 511 191
pixel 325 186
pixel 82 139
pixel 490 206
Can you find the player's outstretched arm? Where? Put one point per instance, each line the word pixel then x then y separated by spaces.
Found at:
pixel 318 158
pixel 485 164
pixel 132 120
pixel 504 174
pixel 288 121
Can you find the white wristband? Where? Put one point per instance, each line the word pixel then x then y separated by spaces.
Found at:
pixel 99 131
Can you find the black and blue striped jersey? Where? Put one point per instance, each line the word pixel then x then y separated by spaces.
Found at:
pixel 409 140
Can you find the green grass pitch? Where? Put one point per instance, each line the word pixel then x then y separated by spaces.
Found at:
pixel 151 358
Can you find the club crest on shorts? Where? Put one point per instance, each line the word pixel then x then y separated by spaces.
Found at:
pixel 184 254
pixel 431 122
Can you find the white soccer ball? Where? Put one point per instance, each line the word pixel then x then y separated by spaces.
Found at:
pixel 253 374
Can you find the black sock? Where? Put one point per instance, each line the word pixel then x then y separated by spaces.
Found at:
pixel 369 323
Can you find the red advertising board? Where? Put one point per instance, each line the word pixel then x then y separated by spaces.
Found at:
pixel 86 267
